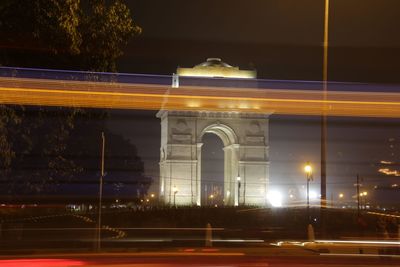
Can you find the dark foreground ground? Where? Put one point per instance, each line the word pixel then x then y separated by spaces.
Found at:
pixel 35 230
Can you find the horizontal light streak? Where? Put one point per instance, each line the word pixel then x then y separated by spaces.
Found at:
pixel 366 242
pixel 387 162
pixel 359 255
pixel 238 240
pixel 342 242
pixel 94 93
pixel 172 228
pixel 390 172
pixel 154 97
pixel 384 214
pixel 41 263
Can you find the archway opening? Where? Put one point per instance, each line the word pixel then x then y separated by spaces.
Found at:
pixel 212 170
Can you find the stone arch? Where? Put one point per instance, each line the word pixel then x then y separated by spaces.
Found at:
pixel 231 160
pixel 245 140
pixel 223 131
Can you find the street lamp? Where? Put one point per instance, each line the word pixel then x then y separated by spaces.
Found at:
pixel 239 184
pixel 308 171
pixel 175 190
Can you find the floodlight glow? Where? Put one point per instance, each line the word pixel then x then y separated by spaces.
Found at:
pixel 275 198
pixel 313 195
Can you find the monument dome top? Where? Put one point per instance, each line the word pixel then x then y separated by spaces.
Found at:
pixel 214 62
pixel 215 67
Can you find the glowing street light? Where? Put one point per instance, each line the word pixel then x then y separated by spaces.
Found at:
pixel 308 168
pixel 308 171
pixel 341 195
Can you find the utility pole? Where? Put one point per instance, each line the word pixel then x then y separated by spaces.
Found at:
pixel 358 196
pixel 324 118
pixel 103 141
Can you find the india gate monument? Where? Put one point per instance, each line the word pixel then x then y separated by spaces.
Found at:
pixel 244 137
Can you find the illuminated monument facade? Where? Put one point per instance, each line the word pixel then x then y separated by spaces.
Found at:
pixel 245 140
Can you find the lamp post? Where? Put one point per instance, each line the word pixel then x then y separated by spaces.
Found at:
pixel 308 171
pixel 103 141
pixel 175 190
pixel 239 184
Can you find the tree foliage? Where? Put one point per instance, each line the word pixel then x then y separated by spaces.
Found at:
pixel 78 34
pixel 123 167
pixel 33 144
pixel 106 28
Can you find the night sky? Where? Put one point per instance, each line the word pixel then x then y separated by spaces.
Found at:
pixel 281 39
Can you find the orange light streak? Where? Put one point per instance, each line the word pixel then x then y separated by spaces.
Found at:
pixel 154 97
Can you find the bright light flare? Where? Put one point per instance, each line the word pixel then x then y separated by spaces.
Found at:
pixel 313 195
pixel 275 198
pixel 308 168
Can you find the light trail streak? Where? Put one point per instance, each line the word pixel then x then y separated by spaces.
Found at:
pixel 41 263
pixel 384 214
pixel 389 172
pixel 366 242
pixel 359 255
pixel 153 97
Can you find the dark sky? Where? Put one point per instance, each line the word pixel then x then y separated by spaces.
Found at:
pixel 281 38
